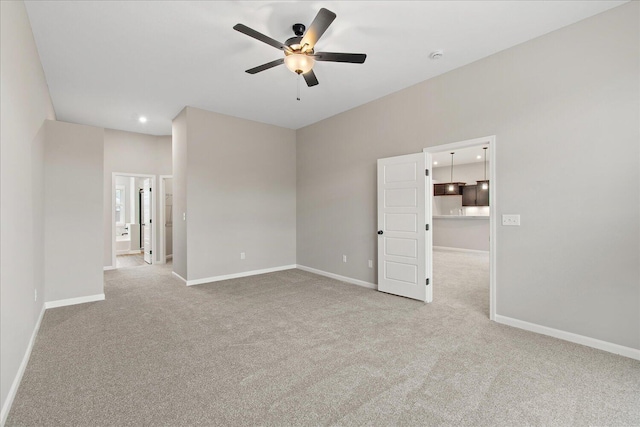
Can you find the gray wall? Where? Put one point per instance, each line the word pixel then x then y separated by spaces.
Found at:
pixel 460 233
pixel 180 193
pixel 135 153
pixel 74 156
pixel 24 105
pixel 241 195
pixel 565 110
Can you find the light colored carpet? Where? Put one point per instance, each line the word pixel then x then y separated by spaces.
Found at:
pixel 294 348
pixel 130 260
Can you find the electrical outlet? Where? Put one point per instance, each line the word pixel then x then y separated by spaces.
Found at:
pixel 184 216
pixel 511 220
pixel 370 263
pixel 344 258
pixel 242 255
pixel 35 297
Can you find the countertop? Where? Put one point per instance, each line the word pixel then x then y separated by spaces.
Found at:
pixel 460 217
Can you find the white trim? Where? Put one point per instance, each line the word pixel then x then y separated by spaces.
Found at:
pixel 179 276
pixel 113 211
pixel 23 366
pixel 493 225
pixel 238 275
pixel 73 301
pixel 447 248
pixel 108 267
pixel 338 277
pixel 571 337
pixel 162 247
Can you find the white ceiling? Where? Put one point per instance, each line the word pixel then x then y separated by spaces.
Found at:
pixel 108 62
pixel 460 156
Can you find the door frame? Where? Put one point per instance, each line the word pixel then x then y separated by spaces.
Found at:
pixel 162 238
pixel 493 217
pixel 152 179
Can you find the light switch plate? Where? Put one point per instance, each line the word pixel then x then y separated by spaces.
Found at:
pixel 511 220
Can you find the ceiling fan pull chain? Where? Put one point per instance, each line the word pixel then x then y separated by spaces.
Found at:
pixel 298 91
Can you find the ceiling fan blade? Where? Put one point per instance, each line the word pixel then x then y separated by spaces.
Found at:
pixel 266 66
pixel 310 78
pixel 259 36
pixel 354 58
pixel 320 23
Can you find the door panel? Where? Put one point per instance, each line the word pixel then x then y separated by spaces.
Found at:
pixel 402 190
pixel 401 222
pixel 399 272
pixel 401 247
pixel 401 197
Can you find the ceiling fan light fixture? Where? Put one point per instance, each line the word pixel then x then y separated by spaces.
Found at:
pixel 299 63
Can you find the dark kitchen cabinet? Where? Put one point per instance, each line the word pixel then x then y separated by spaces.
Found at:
pixel 469 195
pixel 448 189
pixel 474 195
pixel 482 196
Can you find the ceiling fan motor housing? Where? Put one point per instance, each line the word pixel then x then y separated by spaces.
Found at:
pixel 293 42
pixel 298 29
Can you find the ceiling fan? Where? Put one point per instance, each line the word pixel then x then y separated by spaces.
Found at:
pixel 299 53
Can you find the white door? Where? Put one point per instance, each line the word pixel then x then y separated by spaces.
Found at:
pixel 402 223
pixel 147 221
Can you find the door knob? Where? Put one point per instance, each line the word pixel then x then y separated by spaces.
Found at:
pixel 380 232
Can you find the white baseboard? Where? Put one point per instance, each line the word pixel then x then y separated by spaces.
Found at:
pixel 23 366
pixel 164 261
pixel 108 267
pixel 571 337
pixel 179 276
pixel 238 275
pixel 338 277
pixel 73 301
pixel 446 248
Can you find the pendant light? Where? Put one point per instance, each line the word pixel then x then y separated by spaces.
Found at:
pixel 485 183
pixel 451 186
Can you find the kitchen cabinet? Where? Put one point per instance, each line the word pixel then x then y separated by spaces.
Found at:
pixel 482 196
pixel 474 195
pixel 444 189
pixel 469 195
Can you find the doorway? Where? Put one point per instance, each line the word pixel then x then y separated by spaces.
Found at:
pixel 165 220
pixel 406 216
pixel 133 213
pixel 463 218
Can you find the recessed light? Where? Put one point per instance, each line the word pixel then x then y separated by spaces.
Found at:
pixel 436 54
pixel 142 119
pixel 435 163
pixel 478 157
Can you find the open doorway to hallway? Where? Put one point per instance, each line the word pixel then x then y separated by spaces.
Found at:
pixel 165 236
pixel 132 218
